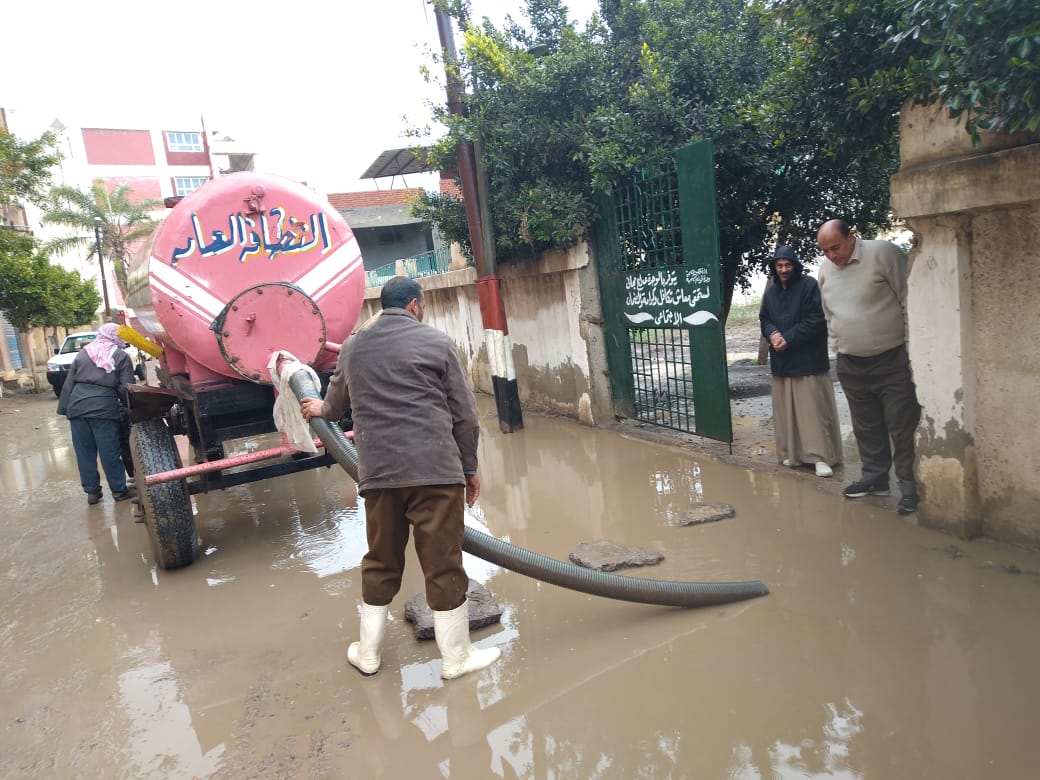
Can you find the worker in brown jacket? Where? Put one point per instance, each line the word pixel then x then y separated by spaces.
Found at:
pixel 416 429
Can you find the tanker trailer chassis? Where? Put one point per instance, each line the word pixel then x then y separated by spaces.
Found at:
pixel 246 266
pixel 208 419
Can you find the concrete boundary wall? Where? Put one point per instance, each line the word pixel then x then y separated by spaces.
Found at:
pixel 554 319
pixel 973 315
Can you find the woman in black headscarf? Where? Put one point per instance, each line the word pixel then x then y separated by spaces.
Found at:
pixel 805 415
pixel 90 398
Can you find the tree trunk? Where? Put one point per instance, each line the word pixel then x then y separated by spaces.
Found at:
pixel 729 282
pixel 32 358
pixel 763 344
pixel 763 352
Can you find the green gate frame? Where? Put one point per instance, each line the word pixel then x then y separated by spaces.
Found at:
pixel 657 250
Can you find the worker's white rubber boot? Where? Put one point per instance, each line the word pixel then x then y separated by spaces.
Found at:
pixel 365 654
pixel 458 656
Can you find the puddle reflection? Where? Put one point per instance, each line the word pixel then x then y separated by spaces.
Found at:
pixel 162 740
pixel 877 654
pixel 30 473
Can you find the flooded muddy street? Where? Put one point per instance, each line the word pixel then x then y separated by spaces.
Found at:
pixel 883 650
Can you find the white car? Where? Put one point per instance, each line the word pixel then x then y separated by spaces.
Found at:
pixel 58 366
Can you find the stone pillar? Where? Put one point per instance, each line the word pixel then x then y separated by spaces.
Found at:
pixel 973 322
pixel 942 352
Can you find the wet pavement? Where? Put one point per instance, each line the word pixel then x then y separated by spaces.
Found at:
pixel 883 651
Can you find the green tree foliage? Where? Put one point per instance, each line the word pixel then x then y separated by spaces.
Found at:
pixel 34 293
pixel 539 185
pixel 979 60
pixel 25 167
pixel 837 152
pixel 728 70
pixel 73 300
pixel 563 113
pixel 447 212
pixel 800 98
pixel 23 280
pixel 124 222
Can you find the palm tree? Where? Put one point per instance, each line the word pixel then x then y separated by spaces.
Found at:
pixel 123 222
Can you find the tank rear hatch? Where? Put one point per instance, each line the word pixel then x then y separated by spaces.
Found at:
pixel 247 264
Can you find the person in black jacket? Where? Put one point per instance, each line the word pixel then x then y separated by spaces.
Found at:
pixel 90 399
pixel 805 415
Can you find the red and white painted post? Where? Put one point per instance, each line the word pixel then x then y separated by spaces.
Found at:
pixel 478 219
pixel 500 354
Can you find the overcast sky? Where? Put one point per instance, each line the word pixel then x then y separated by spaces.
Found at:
pixel 317 88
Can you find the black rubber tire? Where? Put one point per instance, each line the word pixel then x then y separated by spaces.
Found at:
pixel 167 505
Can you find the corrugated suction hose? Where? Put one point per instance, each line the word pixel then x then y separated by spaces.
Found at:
pixel 565 575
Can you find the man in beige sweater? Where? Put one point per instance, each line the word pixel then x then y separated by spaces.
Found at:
pixel 863 290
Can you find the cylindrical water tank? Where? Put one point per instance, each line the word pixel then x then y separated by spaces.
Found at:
pixel 247 264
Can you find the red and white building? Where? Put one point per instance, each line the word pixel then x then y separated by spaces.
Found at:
pixel 156 163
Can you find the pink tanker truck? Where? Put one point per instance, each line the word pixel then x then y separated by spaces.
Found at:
pixel 245 266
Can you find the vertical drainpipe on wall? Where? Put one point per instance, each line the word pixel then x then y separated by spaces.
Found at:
pixel 473 179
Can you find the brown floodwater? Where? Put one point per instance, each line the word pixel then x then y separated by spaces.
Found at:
pixel 883 651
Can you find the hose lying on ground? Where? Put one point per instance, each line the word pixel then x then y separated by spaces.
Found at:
pixel 565 575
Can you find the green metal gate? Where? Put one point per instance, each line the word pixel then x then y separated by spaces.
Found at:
pixel 657 251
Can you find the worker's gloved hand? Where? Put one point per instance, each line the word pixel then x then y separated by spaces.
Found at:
pixel 288 415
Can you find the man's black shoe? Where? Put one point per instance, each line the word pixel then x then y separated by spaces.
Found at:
pixel 863 488
pixel 130 492
pixel 907 505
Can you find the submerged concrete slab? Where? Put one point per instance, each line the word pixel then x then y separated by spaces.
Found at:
pixel 483 610
pixel 606 555
pixel 707 513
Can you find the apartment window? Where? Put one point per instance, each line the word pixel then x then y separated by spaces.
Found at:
pixel 185 184
pixel 183 142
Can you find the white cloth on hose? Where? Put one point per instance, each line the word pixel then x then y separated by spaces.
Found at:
pixel 287 415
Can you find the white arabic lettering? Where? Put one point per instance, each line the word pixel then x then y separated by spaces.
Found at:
pixel 661 290
pixel 288 235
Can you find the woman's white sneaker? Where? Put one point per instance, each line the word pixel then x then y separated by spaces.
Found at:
pixel 823 470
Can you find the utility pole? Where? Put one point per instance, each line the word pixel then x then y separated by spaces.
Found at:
pixel 101 265
pixel 473 179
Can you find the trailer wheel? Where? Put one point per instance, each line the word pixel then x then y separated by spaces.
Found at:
pixel 166 506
